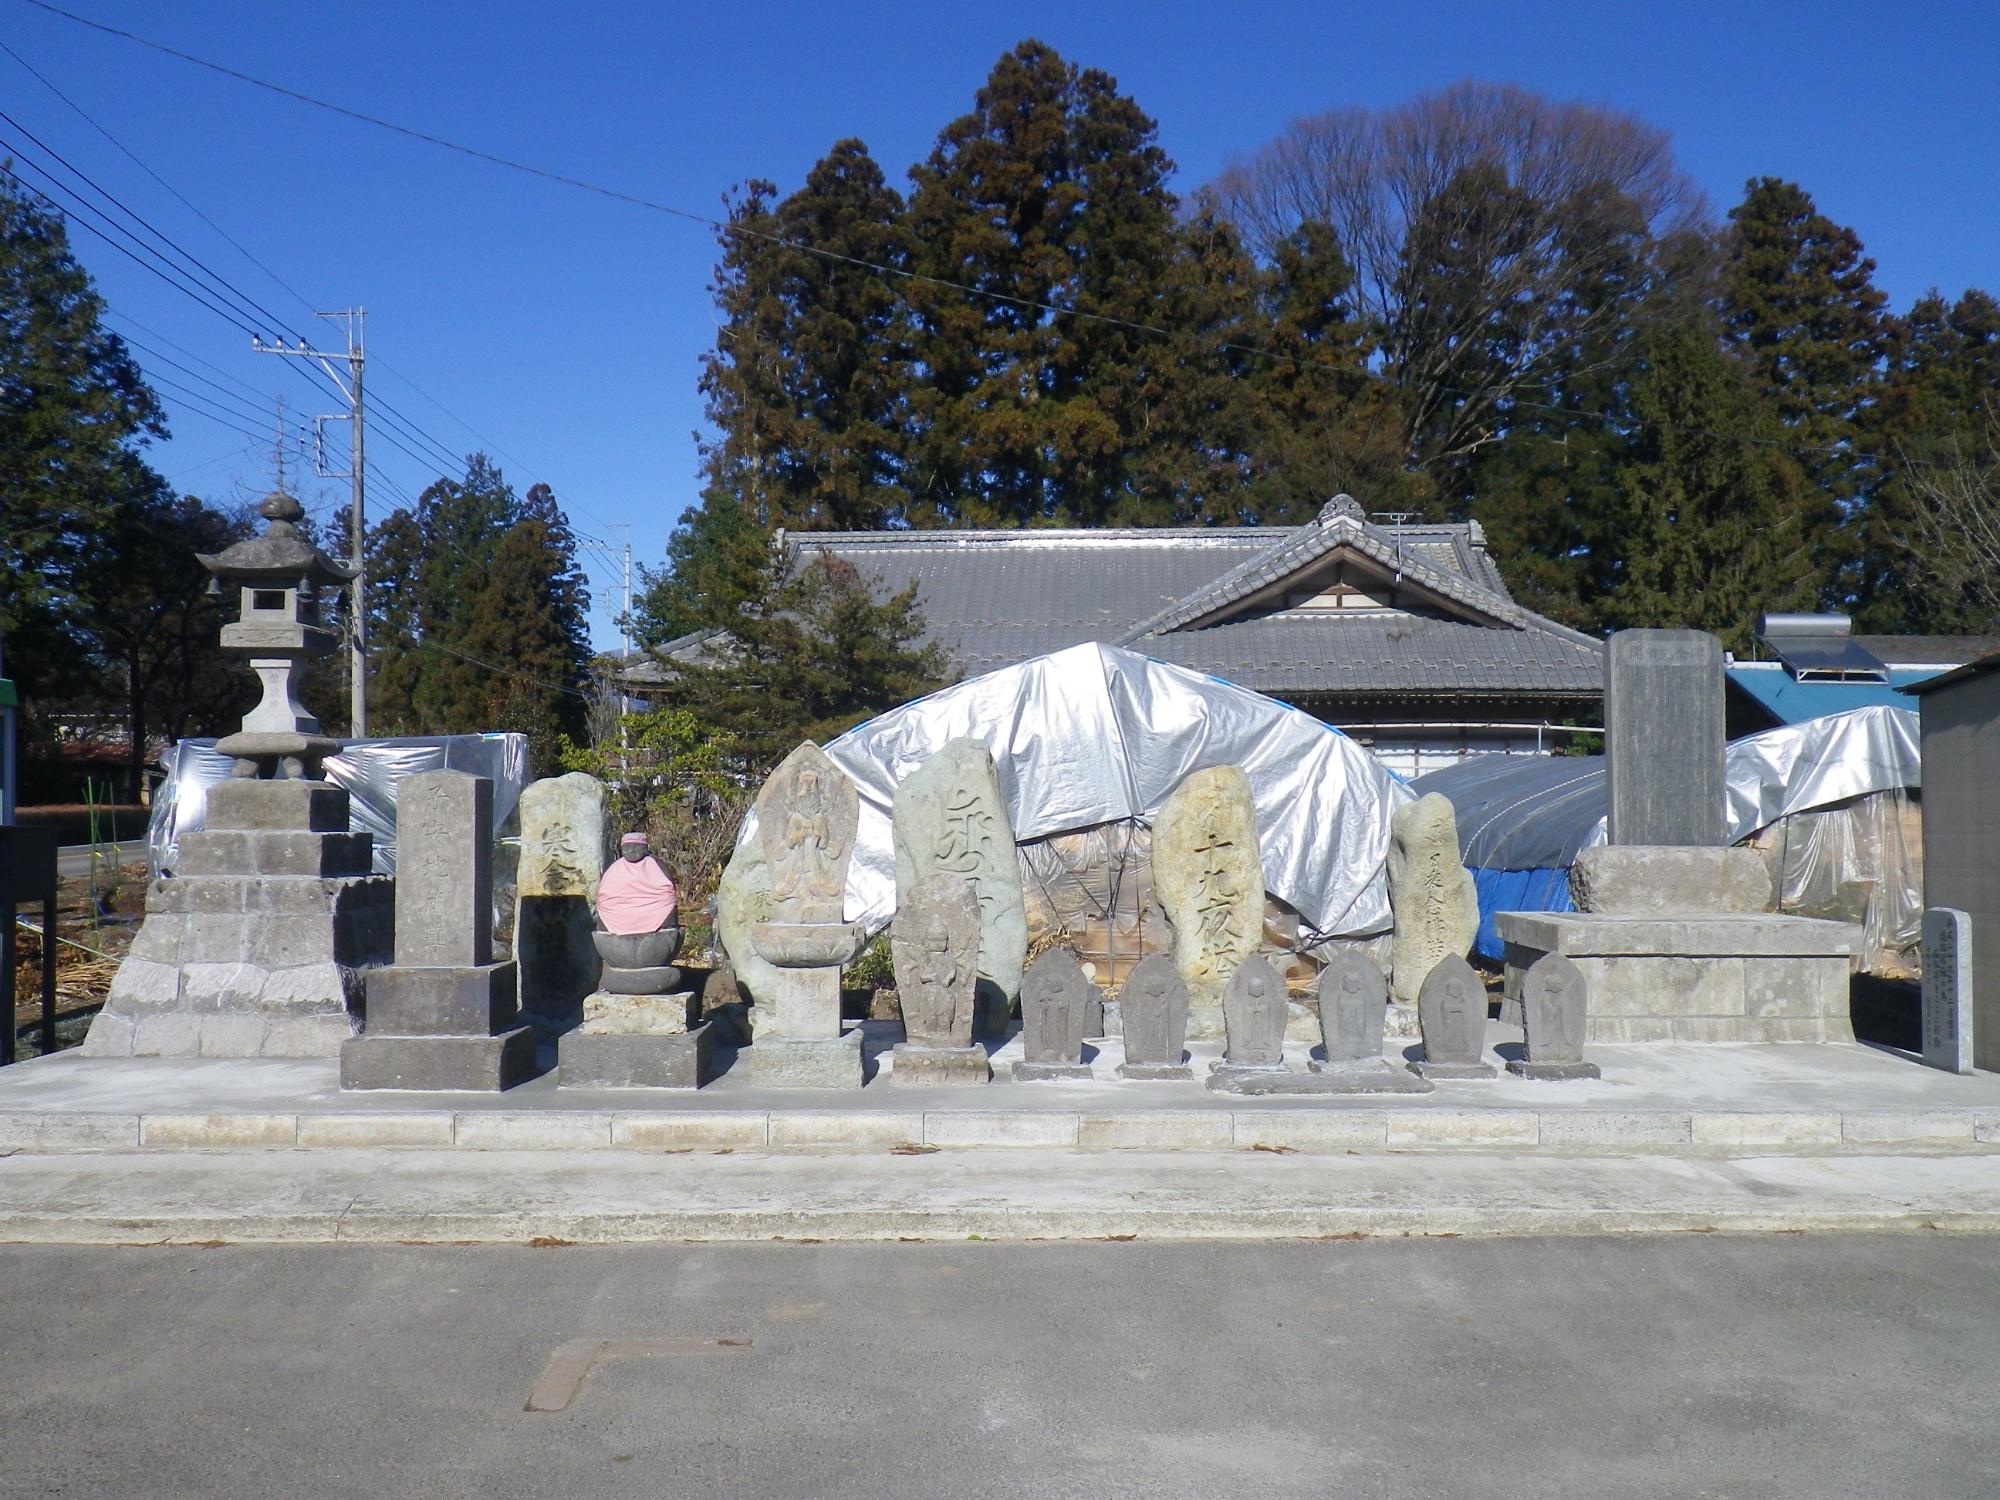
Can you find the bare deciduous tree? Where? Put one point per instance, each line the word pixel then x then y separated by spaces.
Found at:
pixel 1495 235
pixel 1953 536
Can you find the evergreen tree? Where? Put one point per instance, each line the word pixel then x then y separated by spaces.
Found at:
pixel 74 411
pixel 808 382
pixel 718 561
pixel 1803 313
pixel 814 655
pixel 1707 526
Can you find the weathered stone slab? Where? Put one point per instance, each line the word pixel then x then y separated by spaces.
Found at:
pixel 1430 892
pixel 743 901
pixel 1055 998
pixel 606 1013
pixel 565 843
pixel 1663 743
pixel 1554 1012
pixel 1664 880
pixel 467 1063
pixel 1153 1012
pixel 934 943
pixel 918 1065
pixel 950 817
pixel 1209 879
pixel 245 803
pixel 807 813
pixel 1452 1011
pixel 1947 996
pixel 603 1060
pixel 444 869
pixel 805 1062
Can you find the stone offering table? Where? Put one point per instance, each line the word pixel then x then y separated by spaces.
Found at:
pixel 1728 977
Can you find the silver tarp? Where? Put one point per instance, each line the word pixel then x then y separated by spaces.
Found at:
pixel 1535 813
pixel 1095 735
pixel 369 769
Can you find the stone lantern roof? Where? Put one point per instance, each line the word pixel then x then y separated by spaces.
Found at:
pixel 280 554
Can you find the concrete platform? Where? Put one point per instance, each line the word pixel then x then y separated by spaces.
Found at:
pixel 1659 1099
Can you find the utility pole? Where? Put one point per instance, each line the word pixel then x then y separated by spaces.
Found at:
pixel 350 387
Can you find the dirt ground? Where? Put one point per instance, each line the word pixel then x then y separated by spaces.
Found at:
pixel 97 919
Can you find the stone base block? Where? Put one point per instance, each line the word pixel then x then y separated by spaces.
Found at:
pixel 1434 1070
pixel 1241 1078
pixel 602 1060
pixel 653 981
pixel 805 1063
pixel 917 1066
pixel 218 851
pixel 440 1001
pixel 609 1014
pixel 1522 1068
pixel 1051 1072
pixel 1369 1076
pixel 483 1064
pixel 1156 1072
pixel 244 805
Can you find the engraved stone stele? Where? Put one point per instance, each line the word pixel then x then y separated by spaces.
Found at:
pixel 565 826
pixel 934 943
pixel 1209 881
pixel 806 816
pixel 261 944
pixel 1554 1009
pixel 1055 1001
pixel 1663 738
pixel 1452 1011
pixel 1353 1005
pixel 950 818
pixel 1947 989
pixel 1430 893
pixel 1153 1008
pixel 444 1015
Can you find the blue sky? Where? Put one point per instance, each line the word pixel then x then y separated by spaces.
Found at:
pixel 567 328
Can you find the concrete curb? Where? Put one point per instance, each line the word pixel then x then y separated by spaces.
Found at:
pixel 590 1197
pixel 1338 1129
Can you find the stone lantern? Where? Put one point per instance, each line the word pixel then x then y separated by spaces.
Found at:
pixel 280 574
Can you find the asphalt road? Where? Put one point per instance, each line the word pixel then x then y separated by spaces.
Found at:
pixel 1675 1366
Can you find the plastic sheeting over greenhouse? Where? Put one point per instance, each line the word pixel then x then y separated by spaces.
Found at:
pixel 1827 802
pixel 1089 742
pixel 369 769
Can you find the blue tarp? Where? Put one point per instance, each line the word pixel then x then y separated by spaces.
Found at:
pixel 1515 890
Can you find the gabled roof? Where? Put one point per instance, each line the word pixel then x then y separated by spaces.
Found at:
pixel 1209 598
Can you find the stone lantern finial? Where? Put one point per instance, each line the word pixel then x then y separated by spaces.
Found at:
pixel 280 574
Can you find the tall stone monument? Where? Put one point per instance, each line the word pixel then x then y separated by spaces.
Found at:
pixel 951 819
pixel 1353 1006
pixel 259 945
pixel 934 943
pixel 1554 1006
pixel 1154 1007
pixel 1209 880
pixel 1947 993
pixel 1055 1003
pixel 1663 738
pixel 565 823
pixel 1452 1012
pixel 806 818
pixel 1431 894
pixel 444 1015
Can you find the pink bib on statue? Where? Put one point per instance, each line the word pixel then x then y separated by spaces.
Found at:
pixel 635 897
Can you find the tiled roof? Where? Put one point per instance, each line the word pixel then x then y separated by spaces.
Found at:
pixel 993 598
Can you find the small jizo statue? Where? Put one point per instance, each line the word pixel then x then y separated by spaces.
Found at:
pixel 1554 1006
pixel 1154 1007
pixel 1451 1009
pixel 635 895
pixel 1254 1014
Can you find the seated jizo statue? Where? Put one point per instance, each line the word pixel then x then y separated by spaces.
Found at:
pixel 637 934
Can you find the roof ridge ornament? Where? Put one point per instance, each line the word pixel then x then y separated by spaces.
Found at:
pixel 1342 507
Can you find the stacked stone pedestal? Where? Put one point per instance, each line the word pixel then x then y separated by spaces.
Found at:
pixel 798 1041
pixel 257 945
pixel 640 1028
pixel 443 1017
